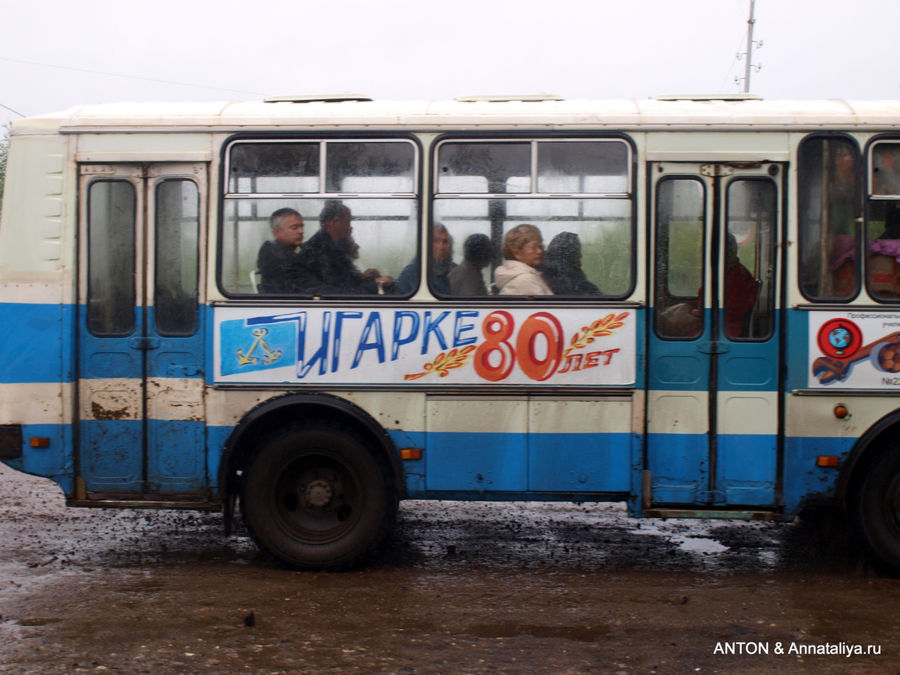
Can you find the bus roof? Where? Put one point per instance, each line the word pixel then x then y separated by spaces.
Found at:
pixel 298 113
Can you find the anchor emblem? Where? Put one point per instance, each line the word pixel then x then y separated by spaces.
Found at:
pixel 269 356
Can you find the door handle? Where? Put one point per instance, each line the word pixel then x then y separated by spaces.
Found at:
pixel 713 347
pixel 143 343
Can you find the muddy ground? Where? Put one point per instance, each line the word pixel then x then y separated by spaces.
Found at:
pixel 464 588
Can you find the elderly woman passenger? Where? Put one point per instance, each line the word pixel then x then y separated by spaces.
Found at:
pixel 523 250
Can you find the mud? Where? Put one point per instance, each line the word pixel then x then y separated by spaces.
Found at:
pixel 462 588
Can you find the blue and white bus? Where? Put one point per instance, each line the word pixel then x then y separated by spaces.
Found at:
pixel 727 344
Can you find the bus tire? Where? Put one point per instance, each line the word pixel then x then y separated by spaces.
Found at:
pixel 316 497
pixel 877 506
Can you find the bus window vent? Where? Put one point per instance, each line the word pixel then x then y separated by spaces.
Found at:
pixel 506 98
pixel 709 97
pixel 318 98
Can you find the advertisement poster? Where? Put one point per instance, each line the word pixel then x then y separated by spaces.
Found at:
pixel 855 350
pixel 452 347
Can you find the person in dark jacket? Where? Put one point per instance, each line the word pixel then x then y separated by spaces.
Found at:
pixel 325 264
pixel 441 265
pixel 561 267
pixel 276 258
pixel 466 278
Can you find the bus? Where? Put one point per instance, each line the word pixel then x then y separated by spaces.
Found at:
pixel 712 329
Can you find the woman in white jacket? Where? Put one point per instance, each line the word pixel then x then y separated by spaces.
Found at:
pixel 523 249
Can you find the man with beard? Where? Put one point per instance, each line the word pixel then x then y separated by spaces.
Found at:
pixel 441 264
pixel 325 264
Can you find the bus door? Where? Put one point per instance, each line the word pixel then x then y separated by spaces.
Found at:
pixel 140 354
pixel 713 356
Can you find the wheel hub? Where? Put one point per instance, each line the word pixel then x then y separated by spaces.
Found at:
pixel 318 493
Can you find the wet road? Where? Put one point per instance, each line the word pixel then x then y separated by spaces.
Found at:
pixel 464 588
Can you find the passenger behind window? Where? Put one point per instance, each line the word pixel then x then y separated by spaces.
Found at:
pixel 741 291
pixel 325 264
pixel 467 278
pixel 523 249
pixel 276 259
pixel 561 267
pixel 441 265
pixel 886 174
pixel 884 270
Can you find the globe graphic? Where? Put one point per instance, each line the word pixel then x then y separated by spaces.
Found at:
pixel 839 338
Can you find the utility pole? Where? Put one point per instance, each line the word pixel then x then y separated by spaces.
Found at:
pixel 748 66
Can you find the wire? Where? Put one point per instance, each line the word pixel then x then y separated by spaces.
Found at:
pixel 129 77
pixel 15 112
pixel 735 60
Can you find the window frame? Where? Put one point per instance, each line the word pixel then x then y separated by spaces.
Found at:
pixel 858 198
pixel 135 303
pixel 773 256
pixel 195 325
pixel 663 284
pixel 869 198
pixel 336 137
pixel 535 138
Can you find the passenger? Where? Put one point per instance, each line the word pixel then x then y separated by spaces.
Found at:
pixel 884 255
pixel 276 259
pixel 524 251
pixel 886 172
pixel 561 268
pixel 466 278
pixel 741 290
pixel 441 265
pixel 325 265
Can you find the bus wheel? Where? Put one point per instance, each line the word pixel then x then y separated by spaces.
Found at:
pixel 317 498
pixel 877 506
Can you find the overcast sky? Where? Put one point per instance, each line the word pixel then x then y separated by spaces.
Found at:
pixel 57 53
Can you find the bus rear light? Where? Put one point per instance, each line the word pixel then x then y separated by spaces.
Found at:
pixel 39 442
pixel 829 461
pixel 411 453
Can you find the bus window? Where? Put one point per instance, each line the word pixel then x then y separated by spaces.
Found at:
pixel 176 269
pixel 829 213
pixel 749 299
pixel 576 192
pixel 484 168
pixel 373 179
pixel 111 249
pixel 680 218
pixel 883 225
pixel 369 167
pixel 273 168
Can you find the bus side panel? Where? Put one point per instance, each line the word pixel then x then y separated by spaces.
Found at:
pixel 529 444
pixel 812 427
pixel 37 312
pixel 803 479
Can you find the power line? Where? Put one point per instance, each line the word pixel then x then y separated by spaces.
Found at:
pixel 128 77
pixel 15 112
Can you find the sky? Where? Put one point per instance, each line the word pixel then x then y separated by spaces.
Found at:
pixel 55 54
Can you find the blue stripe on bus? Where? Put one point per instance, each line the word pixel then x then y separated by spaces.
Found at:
pixel 32 344
pixel 683 365
pixel 803 480
pixel 175 461
pixel 744 475
pixel 54 461
pixel 797 363
pixel 500 462
pixel 746 469
pixel 121 468
pixel 673 483
pixel 111 457
pixel 680 466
